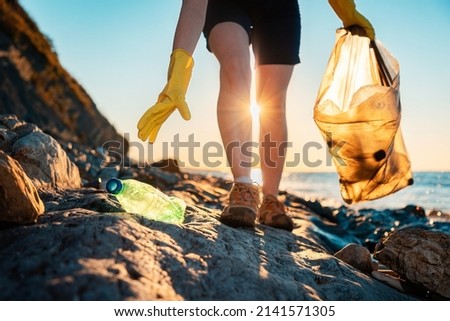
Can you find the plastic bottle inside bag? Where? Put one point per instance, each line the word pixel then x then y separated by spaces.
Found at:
pixel 144 199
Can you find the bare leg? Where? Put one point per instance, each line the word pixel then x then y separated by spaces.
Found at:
pixel 230 44
pixel 271 86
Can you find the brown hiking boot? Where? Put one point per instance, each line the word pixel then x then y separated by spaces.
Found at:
pixel 273 213
pixel 243 205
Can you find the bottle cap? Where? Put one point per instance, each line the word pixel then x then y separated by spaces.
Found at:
pixel 114 186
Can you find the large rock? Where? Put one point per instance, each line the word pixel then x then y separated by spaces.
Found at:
pixel 19 200
pixel 34 85
pixel 357 256
pixel 45 162
pixel 43 159
pixel 420 256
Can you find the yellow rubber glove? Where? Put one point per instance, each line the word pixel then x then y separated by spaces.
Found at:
pixel 346 11
pixel 172 97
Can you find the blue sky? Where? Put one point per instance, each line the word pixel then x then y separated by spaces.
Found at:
pixel 119 52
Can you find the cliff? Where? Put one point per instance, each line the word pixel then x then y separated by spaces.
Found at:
pixel 35 87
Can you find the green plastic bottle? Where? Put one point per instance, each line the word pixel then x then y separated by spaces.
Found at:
pixel 144 199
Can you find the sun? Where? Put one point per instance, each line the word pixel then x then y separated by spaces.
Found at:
pixel 254 110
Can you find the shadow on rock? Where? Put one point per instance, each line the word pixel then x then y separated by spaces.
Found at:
pixel 80 255
pixel 207 260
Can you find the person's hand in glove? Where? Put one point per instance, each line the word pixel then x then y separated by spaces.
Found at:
pixel 172 97
pixel 346 11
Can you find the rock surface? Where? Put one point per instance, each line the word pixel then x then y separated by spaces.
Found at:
pixel 19 200
pixel 106 254
pixel 420 256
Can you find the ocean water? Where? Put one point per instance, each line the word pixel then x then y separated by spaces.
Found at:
pixel 431 190
pixel 367 222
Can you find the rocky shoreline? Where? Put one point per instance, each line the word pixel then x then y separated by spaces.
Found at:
pixel 63 237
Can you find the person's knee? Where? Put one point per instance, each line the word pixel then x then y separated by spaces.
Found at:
pixel 273 105
pixel 235 70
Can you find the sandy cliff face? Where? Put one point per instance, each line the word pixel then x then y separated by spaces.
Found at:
pixel 35 87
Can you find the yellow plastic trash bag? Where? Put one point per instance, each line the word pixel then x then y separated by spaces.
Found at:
pixel 358 112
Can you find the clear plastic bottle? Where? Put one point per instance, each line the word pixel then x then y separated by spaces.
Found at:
pixel 143 199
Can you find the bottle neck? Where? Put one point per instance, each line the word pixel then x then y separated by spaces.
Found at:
pixel 115 186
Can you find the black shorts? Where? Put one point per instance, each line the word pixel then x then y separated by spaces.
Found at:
pixel 273 27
